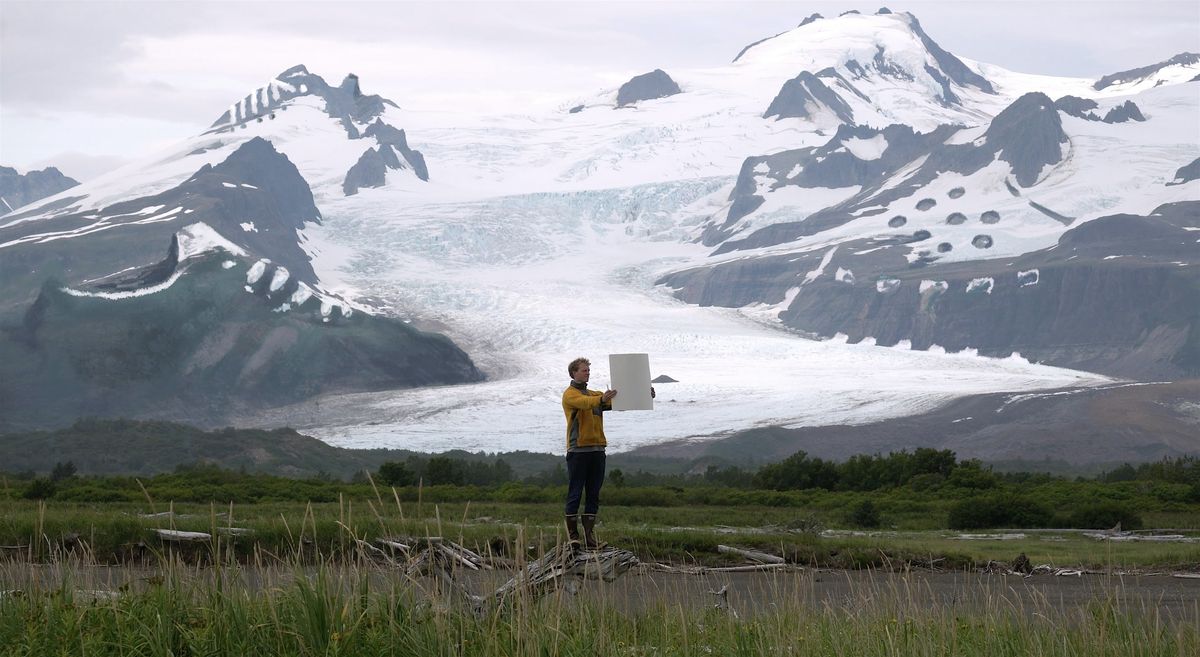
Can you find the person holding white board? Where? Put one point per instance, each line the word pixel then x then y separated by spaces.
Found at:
pixel 584 411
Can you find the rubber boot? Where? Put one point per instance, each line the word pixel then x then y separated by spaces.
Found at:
pixel 573 531
pixel 589 533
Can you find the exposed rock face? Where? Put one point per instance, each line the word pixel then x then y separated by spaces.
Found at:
pixel 1055 305
pixel 1139 74
pixel 949 64
pixel 17 189
pixel 1076 106
pixel 805 95
pixel 205 348
pixel 346 102
pixel 385 134
pixel 647 86
pixel 1028 135
pixel 255 199
pixel 831 165
pixel 1126 111
pixel 1187 173
pixel 1083 108
pixel 369 171
pixel 223 334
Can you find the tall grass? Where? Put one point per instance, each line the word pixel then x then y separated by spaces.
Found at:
pixel 357 609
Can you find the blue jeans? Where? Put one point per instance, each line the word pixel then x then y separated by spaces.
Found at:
pixel 585 472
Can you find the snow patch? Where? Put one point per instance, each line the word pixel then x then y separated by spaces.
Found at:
pixel 256 271
pixel 816 273
pixel 866 149
pixel 937 286
pixel 249 227
pixel 302 294
pixel 129 294
pixel 200 238
pixel 278 279
pixel 1029 277
pixel 228 264
pixel 844 276
pixel 986 283
pixel 887 284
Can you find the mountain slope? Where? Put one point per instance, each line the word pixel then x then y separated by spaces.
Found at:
pixel 533 239
pixel 17 189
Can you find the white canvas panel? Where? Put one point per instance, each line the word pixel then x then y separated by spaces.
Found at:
pixel 630 375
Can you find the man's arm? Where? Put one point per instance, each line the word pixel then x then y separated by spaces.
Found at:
pixel 573 398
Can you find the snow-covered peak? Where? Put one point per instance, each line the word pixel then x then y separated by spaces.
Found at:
pixel 856 46
pixel 1180 68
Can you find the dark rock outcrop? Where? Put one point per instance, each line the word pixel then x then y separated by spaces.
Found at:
pixel 369 171
pixel 17 190
pixel 1126 111
pixel 1139 74
pixel 804 95
pixel 385 134
pixel 255 198
pixel 1187 173
pixel 1083 108
pixel 647 86
pixel 1055 305
pixel 1028 135
pixel 346 102
pixel 1076 106
pixel 203 350
pixel 952 66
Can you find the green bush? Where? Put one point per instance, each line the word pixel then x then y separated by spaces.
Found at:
pixel 40 489
pixel 865 515
pixel 999 510
pixel 1103 515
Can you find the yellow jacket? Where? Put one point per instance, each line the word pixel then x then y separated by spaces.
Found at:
pixel 584 409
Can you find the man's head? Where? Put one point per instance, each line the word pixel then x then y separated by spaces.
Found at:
pixel 580 370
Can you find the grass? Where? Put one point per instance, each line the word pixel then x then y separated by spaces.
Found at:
pixel 311 533
pixel 301 587
pixel 354 609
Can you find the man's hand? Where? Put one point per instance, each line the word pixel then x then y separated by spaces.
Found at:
pixel 651 392
pixel 608 395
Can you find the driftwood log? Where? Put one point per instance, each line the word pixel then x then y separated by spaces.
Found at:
pixel 751 555
pixel 561 567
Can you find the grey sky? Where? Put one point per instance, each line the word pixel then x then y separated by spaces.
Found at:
pixel 87 85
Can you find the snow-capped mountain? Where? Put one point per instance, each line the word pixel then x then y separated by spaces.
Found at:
pixel 18 189
pixel 847 178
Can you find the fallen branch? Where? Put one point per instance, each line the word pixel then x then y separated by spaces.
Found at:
pixel 176 536
pixel 752 555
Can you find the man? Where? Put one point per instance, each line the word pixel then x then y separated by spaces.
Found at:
pixel 584 411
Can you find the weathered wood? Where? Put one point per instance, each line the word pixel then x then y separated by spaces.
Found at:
pixel 752 555
pixel 176 536
pixel 235 531
pixel 393 544
pixel 746 569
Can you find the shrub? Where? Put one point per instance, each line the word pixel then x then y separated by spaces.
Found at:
pixel 998 510
pixel 40 489
pixel 1103 515
pixel 865 515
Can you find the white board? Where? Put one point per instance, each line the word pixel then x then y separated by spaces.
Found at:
pixel 631 379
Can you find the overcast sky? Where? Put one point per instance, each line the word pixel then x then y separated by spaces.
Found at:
pixel 88 85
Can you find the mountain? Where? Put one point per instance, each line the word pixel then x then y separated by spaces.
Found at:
pixel 846 225
pixel 193 303
pixel 17 189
